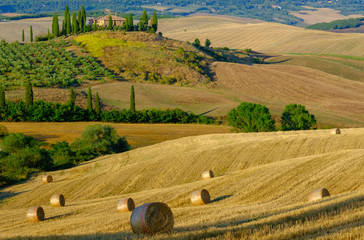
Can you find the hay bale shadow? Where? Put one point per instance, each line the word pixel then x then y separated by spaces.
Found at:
pixel 221 198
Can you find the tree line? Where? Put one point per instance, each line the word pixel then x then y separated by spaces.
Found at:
pixel 337 24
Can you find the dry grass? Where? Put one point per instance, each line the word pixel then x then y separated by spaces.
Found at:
pixel 260 192
pixel 262 37
pixel 12 31
pixel 318 15
pixel 138 135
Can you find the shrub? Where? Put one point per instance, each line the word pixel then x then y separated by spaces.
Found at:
pixel 62 155
pixel 296 117
pixel 251 117
pixel 3 131
pixel 14 142
pixel 97 140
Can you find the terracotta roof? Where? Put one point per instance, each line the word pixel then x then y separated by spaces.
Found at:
pixel 113 18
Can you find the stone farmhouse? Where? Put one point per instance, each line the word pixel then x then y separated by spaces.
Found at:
pixel 104 21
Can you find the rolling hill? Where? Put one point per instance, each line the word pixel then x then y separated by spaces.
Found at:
pixel 260 189
pixel 261 37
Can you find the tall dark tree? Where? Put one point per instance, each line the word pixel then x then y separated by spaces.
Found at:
pixel 296 117
pixel 145 19
pixel 207 42
pixel 109 26
pixel 94 26
pixel 22 35
pixel 131 22
pixel 28 93
pixel 2 96
pixel 79 20
pixel 74 24
pixel 65 17
pixel 55 25
pixel 72 96
pixel 140 25
pixel 31 33
pixel 68 23
pixel 83 14
pixel 89 99
pixel 63 32
pixel 155 21
pixel 132 99
pixel 97 104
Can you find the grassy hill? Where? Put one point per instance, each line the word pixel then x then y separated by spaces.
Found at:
pixel 261 37
pixel 260 190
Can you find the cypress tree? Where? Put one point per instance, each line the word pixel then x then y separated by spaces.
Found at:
pixel 74 24
pixel 145 19
pixel 28 93
pixel 48 35
pixel 94 26
pixel 22 35
pixel 132 99
pixel 141 25
pixel 83 14
pixel 131 26
pixel 155 22
pixel 126 23
pixel 72 97
pixel 55 25
pixel 31 33
pixel 2 96
pixel 89 99
pixel 97 104
pixel 68 23
pixel 109 26
pixel 79 19
pixel 63 28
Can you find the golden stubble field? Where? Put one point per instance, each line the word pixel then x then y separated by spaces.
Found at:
pixel 261 37
pixel 260 190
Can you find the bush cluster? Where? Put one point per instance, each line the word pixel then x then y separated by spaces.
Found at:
pixel 42 111
pixel 251 117
pixel 22 155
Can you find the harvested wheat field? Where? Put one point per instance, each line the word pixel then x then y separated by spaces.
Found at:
pixel 260 190
pixel 261 37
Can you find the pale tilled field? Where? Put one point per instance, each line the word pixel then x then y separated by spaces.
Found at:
pixel 260 190
pixel 261 37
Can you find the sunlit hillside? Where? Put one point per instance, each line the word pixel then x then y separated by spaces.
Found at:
pixel 262 37
pixel 260 190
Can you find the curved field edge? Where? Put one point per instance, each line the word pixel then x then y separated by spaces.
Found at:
pixel 260 189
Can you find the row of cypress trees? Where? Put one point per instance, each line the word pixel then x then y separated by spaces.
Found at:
pixel 78 23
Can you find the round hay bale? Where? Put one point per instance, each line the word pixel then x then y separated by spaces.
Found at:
pixel 57 200
pixel 47 179
pixel 151 218
pixel 35 214
pixel 207 174
pixel 125 205
pixel 335 131
pixel 318 194
pixel 200 197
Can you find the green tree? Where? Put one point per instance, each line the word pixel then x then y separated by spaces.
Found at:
pixel 94 26
pixel 72 99
pixel 31 33
pixel 155 22
pixel 109 26
pixel 89 99
pixel 130 22
pixel 2 96
pixel 22 35
pixel 145 20
pixel 83 13
pixel 97 104
pixel 68 23
pixel 74 23
pixel 55 25
pixel 296 117
pixel 96 140
pixel 251 117
pixel 28 93
pixel 79 20
pixel 132 99
pixel 207 43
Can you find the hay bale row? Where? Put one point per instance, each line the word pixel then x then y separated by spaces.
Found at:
pixel 47 178
pixel 57 200
pixel 318 194
pixel 151 218
pixel 200 197
pixel 125 205
pixel 335 131
pixel 35 214
pixel 207 174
